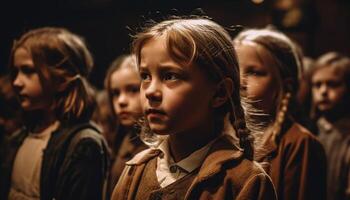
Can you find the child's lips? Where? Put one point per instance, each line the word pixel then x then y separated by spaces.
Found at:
pixel 324 102
pixel 22 96
pixel 124 114
pixel 154 113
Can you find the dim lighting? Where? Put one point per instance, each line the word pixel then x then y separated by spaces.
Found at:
pixel 257 1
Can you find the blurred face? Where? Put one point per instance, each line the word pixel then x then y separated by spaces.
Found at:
pixel 27 83
pixel 175 98
pixel 328 89
pixel 125 86
pixel 257 79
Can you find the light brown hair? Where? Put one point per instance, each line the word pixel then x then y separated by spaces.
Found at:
pixel 63 63
pixel 203 43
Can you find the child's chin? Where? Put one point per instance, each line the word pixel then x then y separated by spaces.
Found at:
pixel 159 129
pixel 28 107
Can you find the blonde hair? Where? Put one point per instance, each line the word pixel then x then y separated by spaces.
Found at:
pixel 63 63
pixel 286 64
pixel 205 44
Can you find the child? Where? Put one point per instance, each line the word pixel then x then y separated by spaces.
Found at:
pixel 123 86
pixel 190 82
pixel 58 154
pixel 330 80
pixel 295 159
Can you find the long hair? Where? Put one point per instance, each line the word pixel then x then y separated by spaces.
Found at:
pixel 63 63
pixel 119 129
pixel 282 55
pixel 203 43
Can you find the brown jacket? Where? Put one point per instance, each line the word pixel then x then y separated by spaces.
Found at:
pixel 224 174
pixel 130 146
pixel 296 164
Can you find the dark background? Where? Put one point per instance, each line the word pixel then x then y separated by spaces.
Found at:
pixel 317 25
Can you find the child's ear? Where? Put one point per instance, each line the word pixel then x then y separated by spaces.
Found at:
pixel 223 92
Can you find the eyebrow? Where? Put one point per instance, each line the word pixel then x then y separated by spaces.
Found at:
pixel 165 66
pixel 25 67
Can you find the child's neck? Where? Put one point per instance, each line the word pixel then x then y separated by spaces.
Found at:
pixel 183 144
pixel 45 119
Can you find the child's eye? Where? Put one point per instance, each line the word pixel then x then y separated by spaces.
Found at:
pixel 133 89
pixel 145 76
pixel 316 84
pixel 28 70
pixel 254 73
pixel 170 76
pixel 334 84
pixel 115 92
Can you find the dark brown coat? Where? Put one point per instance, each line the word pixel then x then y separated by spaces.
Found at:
pixel 224 174
pixel 296 163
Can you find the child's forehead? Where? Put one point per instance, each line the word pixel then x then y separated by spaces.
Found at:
pixel 23 56
pixel 328 71
pixel 154 43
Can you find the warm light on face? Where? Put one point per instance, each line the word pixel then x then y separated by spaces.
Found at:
pixel 257 1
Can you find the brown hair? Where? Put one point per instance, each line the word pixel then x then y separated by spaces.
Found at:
pixel 204 43
pixel 63 63
pixel 114 66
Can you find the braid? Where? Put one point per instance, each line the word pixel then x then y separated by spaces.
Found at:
pixel 246 139
pixel 281 115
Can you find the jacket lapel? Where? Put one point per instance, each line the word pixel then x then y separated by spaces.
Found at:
pixel 222 151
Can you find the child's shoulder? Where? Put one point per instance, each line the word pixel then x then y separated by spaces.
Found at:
pixel 298 133
pixel 246 170
pixel 226 157
pixel 81 135
pixel 82 130
pixel 298 137
pixel 83 141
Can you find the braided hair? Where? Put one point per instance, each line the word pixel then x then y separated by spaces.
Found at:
pixel 286 63
pixel 201 42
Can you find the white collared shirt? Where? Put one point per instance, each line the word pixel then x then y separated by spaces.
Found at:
pixel 168 171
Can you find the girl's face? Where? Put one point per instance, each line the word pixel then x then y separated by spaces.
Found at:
pixel 27 83
pixel 257 79
pixel 125 87
pixel 175 98
pixel 328 89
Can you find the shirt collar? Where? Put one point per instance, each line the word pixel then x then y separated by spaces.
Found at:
pixel 188 164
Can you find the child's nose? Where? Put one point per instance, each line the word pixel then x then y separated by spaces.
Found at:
pixel 153 92
pixel 123 100
pixel 17 82
pixel 323 89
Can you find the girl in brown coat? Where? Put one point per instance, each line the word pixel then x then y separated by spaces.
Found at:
pixel 190 97
pixel 123 86
pixel 293 157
